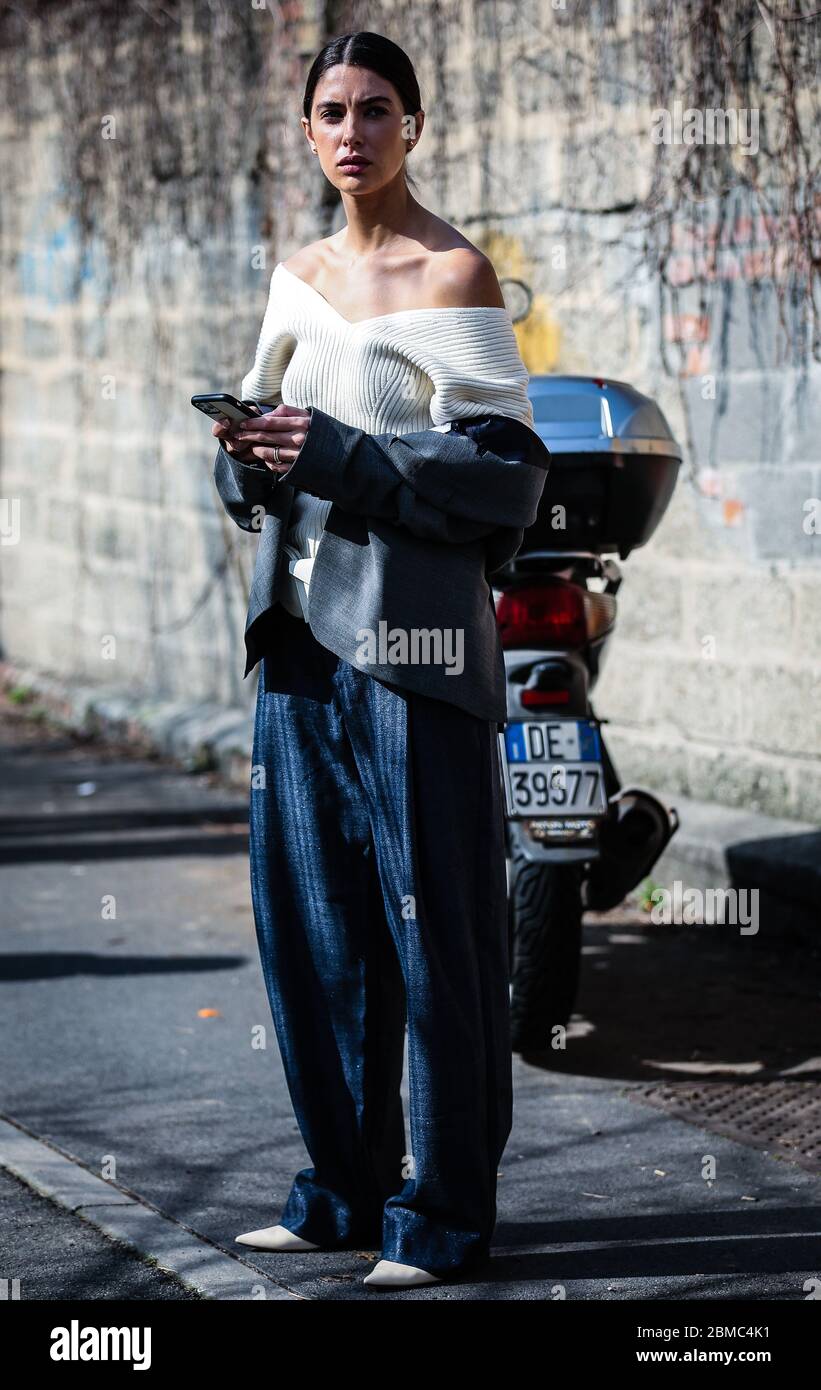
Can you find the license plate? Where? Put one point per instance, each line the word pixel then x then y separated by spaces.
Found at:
pixel 552 767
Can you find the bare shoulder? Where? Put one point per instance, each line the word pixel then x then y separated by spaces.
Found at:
pixel 464 277
pixel 308 260
pixel 452 276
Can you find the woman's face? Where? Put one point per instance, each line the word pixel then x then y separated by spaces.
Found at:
pixel 358 115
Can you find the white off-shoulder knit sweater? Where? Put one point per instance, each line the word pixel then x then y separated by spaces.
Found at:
pixel 414 369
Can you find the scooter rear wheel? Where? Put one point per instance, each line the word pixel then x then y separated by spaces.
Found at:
pixel 546 938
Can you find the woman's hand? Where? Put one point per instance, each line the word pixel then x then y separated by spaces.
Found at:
pixel 285 428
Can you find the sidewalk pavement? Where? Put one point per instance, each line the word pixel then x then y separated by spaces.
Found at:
pixel 715 846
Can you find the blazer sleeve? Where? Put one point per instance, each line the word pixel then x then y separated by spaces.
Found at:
pixel 456 486
pixel 244 489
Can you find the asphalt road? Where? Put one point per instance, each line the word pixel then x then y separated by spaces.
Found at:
pixel 127 1053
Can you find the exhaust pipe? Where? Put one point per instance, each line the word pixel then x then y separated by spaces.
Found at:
pixel 630 842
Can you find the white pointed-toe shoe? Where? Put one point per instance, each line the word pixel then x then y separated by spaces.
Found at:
pixel 275 1238
pixel 387 1274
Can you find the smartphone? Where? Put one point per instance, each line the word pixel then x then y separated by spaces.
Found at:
pixel 222 406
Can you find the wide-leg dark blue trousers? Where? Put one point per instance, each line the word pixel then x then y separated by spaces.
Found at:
pixel 379 893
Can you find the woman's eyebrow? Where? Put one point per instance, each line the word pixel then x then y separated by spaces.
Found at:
pixel 364 102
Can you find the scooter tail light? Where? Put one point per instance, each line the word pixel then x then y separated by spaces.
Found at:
pixel 549 614
pixel 552 613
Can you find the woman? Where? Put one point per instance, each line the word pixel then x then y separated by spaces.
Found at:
pixel 377 835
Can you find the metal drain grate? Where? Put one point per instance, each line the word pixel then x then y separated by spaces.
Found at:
pixel 783 1117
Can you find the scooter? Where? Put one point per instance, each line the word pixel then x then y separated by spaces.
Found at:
pixel 576 839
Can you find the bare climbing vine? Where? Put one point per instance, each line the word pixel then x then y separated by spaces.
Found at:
pixel 197 88
pixel 160 134
pixel 160 107
pixel 717 214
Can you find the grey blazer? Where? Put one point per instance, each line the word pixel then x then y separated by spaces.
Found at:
pixel 419 521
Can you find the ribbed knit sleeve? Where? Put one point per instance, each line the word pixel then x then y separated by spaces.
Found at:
pixel 474 363
pixel 275 347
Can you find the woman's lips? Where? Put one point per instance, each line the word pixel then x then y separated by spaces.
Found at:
pixel 354 168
